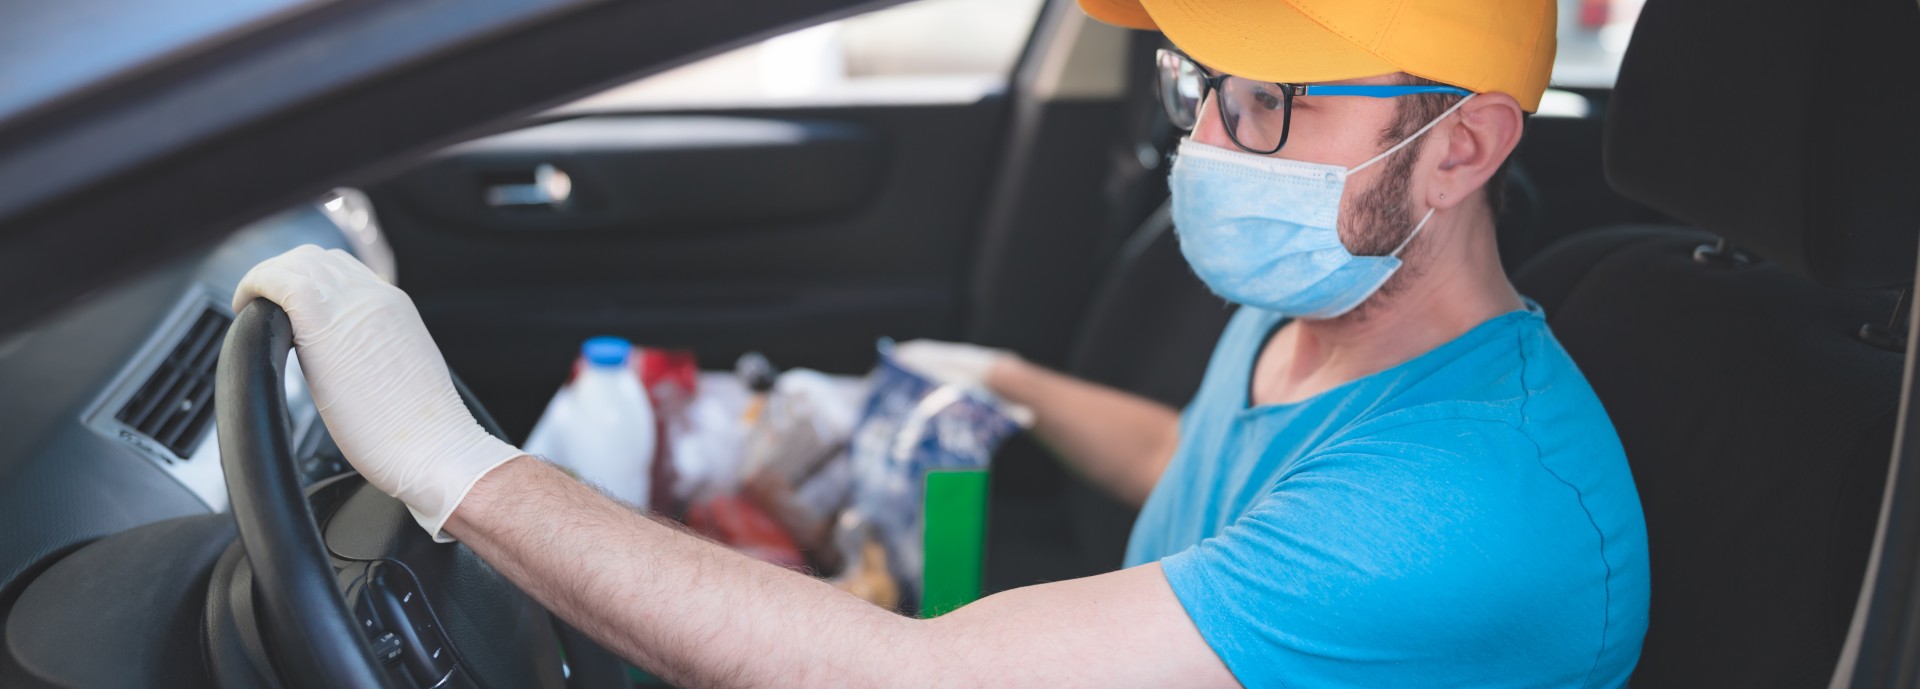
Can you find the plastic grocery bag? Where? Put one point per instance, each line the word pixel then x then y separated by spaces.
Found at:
pixel 707 445
pixel 795 458
pixel 909 426
pixel 806 421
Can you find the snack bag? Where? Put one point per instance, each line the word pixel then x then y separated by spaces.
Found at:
pixel 911 425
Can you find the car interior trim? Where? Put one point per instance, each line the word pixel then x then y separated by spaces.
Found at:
pixel 1084 60
pixel 198 471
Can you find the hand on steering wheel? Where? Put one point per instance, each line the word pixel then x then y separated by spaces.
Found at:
pixel 378 380
pixel 328 586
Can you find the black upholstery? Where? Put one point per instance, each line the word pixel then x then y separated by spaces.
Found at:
pixel 1758 428
pixel 1150 331
pixel 1152 324
pixel 1758 424
pixel 1791 124
pixel 1517 229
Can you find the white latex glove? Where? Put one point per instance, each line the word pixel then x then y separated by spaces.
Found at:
pixel 950 363
pixel 378 380
pixel 960 365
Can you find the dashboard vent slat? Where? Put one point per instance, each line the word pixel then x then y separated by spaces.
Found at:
pixel 174 406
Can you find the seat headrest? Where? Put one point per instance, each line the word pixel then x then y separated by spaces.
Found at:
pixel 1791 128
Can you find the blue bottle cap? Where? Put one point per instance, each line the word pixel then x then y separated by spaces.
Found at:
pixel 606 351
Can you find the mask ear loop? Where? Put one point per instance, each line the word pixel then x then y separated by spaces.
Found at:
pixel 1416 135
pixel 1414 233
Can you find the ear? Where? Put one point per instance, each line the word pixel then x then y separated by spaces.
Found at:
pixel 1473 143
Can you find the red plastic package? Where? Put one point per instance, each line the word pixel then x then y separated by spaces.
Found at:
pixel 741 524
pixel 671 378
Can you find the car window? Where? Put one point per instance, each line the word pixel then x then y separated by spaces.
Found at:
pixel 928 50
pixel 1593 38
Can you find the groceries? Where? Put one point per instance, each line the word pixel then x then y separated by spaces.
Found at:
pixel 797 467
pixel 671 378
pixel 794 460
pixel 707 442
pixel 601 425
pixel 805 420
pixel 909 427
pixel 740 523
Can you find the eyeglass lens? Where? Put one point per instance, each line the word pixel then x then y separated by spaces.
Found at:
pixel 1255 114
pixel 1182 86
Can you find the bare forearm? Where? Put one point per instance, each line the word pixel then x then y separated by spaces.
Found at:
pixel 694 612
pixel 1118 440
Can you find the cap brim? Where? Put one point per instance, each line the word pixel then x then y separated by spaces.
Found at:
pixel 1266 40
pixel 1127 13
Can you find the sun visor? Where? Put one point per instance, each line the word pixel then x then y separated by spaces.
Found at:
pixel 1789 127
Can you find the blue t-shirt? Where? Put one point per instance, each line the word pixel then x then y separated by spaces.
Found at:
pixel 1464 519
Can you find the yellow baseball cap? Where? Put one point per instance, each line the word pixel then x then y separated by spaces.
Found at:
pixel 1484 46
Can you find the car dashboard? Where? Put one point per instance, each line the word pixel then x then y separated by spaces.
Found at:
pixel 106 409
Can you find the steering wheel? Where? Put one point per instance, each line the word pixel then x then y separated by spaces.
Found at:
pixel 357 595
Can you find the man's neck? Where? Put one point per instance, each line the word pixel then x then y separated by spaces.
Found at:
pixel 1452 282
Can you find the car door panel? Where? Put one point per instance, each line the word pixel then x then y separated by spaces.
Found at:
pixel 804 233
pixel 659 175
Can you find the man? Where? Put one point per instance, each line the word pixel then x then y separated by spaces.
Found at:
pixel 1391 476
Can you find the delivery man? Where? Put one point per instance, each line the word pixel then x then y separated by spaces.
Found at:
pixel 1392 475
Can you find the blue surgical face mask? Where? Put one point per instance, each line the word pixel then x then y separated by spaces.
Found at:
pixel 1263 231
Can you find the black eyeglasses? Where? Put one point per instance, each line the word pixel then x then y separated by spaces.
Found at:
pixel 1257 115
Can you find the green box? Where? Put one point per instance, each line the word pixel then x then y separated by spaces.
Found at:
pixel 955 538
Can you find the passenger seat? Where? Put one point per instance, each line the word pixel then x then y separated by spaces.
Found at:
pixel 1756 412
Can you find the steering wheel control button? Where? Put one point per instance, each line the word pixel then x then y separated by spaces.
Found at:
pixel 386 647
pixel 392 600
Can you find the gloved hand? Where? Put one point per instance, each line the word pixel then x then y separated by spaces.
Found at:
pixel 950 363
pixel 961 365
pixel 378 380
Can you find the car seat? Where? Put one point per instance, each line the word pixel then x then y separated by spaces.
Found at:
pixel 1752 366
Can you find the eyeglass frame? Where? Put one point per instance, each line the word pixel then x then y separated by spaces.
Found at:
pixel 1211 82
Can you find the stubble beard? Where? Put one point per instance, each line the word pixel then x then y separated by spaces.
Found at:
pixel 1382 218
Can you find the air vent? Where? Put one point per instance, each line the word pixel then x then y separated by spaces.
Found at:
pixel 175 405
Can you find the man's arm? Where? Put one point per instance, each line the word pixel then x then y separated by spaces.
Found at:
pixel 693 611
pixel 703 616
pixel 1119 440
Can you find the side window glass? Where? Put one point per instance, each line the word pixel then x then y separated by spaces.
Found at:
pixel 1593 38
pixel 931 50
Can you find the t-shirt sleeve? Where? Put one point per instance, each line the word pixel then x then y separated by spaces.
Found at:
pixel 1373 565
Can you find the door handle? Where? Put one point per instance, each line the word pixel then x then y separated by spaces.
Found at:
pixel 551 187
